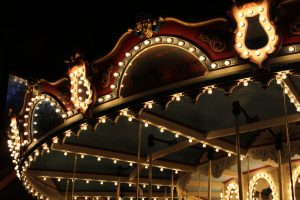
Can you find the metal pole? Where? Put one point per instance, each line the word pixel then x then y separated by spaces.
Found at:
pixel 150 177
pixel 74 172
pixel 138 160
pixel 280 173
pixel 209 180
pixel 288 144
pixel 118 189
pixel 238 151
pixel 67 189
pixel 172 186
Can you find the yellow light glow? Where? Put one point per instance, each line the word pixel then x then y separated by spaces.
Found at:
pixel 250 10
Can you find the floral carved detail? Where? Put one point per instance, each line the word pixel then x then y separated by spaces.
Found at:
pixel 295 26
pixel 214 43
pixel 146 27
pixel 106 76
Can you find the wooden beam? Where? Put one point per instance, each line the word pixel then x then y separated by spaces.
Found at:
pixel 279 121
pixel 7 180
pixel 164 152
pixel 120 156
pixel 172 149
pixel 93 177
pixel 188 132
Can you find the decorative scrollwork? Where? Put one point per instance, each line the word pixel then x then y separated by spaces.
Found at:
pixel 214 43
pixel 148 26
pixel 105 81
pixel 295 26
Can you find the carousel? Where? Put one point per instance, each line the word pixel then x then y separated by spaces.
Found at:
pixel 176 110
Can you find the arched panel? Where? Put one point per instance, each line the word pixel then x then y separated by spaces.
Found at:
pixel 159 66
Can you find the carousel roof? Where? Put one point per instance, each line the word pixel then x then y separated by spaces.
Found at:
pixel 164 101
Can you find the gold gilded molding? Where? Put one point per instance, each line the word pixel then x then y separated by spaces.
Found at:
pixel 146 26
pixel 196 24
pixel 214 43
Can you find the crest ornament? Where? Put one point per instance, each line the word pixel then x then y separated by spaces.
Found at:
pixel 81 92
pixel 255 36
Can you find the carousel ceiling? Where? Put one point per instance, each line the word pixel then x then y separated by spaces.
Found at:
pixel 163 104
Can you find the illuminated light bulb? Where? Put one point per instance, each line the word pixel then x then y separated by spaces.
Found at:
pixel 25 124
pixel 229 154
pixel 158 187
pixel 209 90
pixel 260 9
pixel 176 171
pixel 263 19
pixel 217 149
pixel 48 150
pixel 242 24
pixel 103 120
pixel 87 181
pixel 268 28
pixel 150 105
pixel 27 109
pixel 245 83
pixel 169 40
pixel 99 158
pixel 129 184
pixel 192 49
pixel 101 182
pixel 79 90
pixel 85 198
pixel 108 198
pixel 82 156
pixel 250 11
pixel 58 180
pixel 242 157
pixel 65 153
pixel 204 145
pixel 177 98
pixel 227 62
pixel 130 164
pixel 113 86
pixel 257 53
pixel 97 198
pixel 246 53
pixel 146 124
pixel 146 42
pixel 161 169
pixel 241 14
pixel 240 34
pixel 202 58
pixel 136 47
pixel 36 115
pixel 190 140
pixel 146 166
pixel 162 130
pixel 298 108
pixel 127 54
pixel 213 65
pixel 278 80
pixel 100 100
pixel 115 161
pixel 283 75
pixel 26 133
pixel 158 39
pixel 26 116
pixel 181 43
pixel 64 115
pixel 292 99
pixel 116 183
pixel 116 74
pixel 44 178
pixel 291 49
pixel 131 198
pixel 144 186
pixel 121 64
pixel 176 135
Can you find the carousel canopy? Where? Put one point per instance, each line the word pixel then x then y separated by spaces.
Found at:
pixel 179 108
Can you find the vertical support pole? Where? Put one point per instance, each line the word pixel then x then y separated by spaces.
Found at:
pixel 236 111
pixel 288 144
pixel 209 180
pixel 150 177
pixel 118 189
pixel 280 173
pixel 74 172
pixel 138 160
pixel 67 189
pixel 172 186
